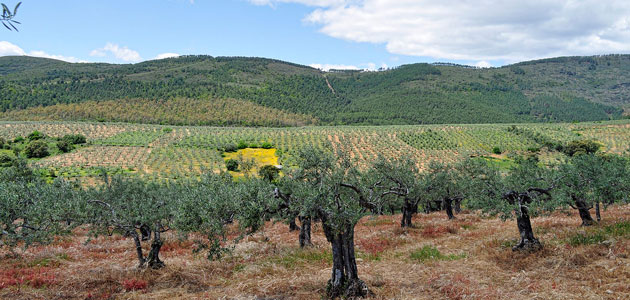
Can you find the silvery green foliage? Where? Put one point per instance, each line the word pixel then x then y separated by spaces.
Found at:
pixel 444 182
pixel 134 208
pixel 123 204
pixel 593 178
pixel 208 206
pixel 397 179
pixel 336 191
pixel 32 211
pixel 488 187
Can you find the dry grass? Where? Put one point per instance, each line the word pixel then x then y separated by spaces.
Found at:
pixel 269 265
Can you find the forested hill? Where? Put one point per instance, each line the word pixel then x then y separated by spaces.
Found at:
pixel 559 89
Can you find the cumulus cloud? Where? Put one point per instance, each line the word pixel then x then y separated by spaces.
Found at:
pixel 121 53
pixel 166 55
pixel 9 49
pixel 484 30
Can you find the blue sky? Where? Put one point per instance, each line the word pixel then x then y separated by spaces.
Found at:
pixel 353 33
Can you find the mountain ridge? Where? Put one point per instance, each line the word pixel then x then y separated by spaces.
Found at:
pixel 560 89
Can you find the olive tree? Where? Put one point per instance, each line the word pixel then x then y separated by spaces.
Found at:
pixel 134 208
pixel 32 211
pixel 208 206
pixel 445 185
pixel 403 179
pixel 523 192
pixel 340 195
pixel 588 179
pixel 291 206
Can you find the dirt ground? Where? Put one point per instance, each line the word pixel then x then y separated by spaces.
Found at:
pixel 473 260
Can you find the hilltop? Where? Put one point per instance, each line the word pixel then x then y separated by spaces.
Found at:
pixel 266 92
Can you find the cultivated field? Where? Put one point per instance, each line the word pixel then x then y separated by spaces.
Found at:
pixel 171 152
pixel 469 257
pixel 466 258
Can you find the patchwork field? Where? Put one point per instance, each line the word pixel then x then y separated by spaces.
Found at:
pixel 171 152
pixel 466 258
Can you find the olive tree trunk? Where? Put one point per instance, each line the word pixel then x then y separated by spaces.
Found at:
pixel 528 242
pixel 585 215
pixel 458 205
pixel 448 206
pixel 293 226
pixel 154 254
pixel 305 232
pixel 344 281
pixel 597 213
pixel 408 209
pixel 140 255
pixel 145 230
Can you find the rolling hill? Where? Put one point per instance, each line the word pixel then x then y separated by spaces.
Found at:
pixel 205 90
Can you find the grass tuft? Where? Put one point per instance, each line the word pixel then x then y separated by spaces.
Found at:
pixel 430 253
pixel 597 236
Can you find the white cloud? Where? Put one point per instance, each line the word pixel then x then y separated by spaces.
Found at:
pixel 368 66
pixel 326 67
pixel 166 55
pixel 52 56
pixel 483 30
pixel 483 64
pixel 7 49
pixel 121 53
pixel 98 53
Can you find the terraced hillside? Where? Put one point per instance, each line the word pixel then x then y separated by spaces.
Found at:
pixel 171 152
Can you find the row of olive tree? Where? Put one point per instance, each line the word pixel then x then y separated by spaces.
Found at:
pixel 330 189
pixel 33 211
pixel 321 187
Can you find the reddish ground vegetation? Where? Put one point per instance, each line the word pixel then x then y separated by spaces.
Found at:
pixel 134 284
pixel 35 277
pixel 470 258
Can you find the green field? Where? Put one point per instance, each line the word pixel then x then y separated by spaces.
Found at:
pixel 171 152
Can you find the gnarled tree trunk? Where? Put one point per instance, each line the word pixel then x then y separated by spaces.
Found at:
pixel 136 240
pixel 145 230
pixel 458 205
pixel 448 206
pixel 528 242
pixel 583 209
pixel 154 254
pixel 408 209
pixel 292 225
pixel 305 232
pixel 344 281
